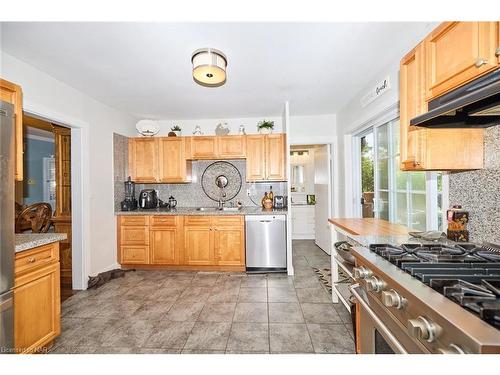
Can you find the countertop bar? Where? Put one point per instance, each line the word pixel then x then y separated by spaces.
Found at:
pixel 211 212
pixel 27 241
pixel 369 227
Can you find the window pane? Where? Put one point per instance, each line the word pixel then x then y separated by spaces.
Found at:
pixel 401 177
pixel 418 181
pixel 401 209
pixel 383 174
pixel 418 211
pixel 383 205
pixel 382 142
pixel 395 137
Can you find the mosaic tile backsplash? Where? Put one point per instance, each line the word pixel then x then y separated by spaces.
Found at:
pixel 479 192
pixel 191 194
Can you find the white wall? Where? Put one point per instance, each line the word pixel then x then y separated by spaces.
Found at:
pixel 208 125
pixel 314 129
pixel 45 95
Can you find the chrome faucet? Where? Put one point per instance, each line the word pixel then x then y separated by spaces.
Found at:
pixel 221 204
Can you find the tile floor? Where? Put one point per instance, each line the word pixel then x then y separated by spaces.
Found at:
pixel 181 312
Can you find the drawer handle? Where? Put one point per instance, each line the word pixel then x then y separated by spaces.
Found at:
pixel 31 260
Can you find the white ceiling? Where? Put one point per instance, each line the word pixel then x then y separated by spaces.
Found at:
pixel 145 69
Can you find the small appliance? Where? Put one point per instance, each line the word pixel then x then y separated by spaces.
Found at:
pixel 172 202
pixel 279 201
pixel 129 203
pixel 148 198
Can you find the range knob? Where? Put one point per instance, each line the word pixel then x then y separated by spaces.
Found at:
pixel 422 328
pixel 361 272
pixel 451 349
pixel 391 298
pixel 374 284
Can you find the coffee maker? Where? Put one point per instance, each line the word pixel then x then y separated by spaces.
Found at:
pixel 129 203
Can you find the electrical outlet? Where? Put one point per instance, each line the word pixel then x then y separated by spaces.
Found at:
pixel 248 192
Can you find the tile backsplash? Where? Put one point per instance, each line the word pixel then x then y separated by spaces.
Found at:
pixel 191 194
pixel 479 192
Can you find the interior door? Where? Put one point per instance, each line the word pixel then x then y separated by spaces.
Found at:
pixel 322 189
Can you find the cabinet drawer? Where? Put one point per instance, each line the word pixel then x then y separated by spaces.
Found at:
pixel 37 257
pixel 227 221
pixel 134 235
pixel 134 220
pixel 163 221
pixel 134 254
pixel 197 221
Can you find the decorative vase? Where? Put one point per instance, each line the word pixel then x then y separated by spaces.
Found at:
pixel 265 130
pixel 178 133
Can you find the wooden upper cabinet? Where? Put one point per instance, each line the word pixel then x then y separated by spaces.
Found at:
pixel 275 157
pixel 457 52
pixel 232 147
pixel 445 149
pixel 203 147
pixel 12 93
pixel 172 164
pixel 256 158
pixel 143 159
pixel 412 100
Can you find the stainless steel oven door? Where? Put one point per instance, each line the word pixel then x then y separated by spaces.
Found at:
pixel 374 336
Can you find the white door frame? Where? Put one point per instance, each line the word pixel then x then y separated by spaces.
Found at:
pixel 80 188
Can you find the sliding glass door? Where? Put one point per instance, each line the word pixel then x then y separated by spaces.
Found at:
pixel 408 198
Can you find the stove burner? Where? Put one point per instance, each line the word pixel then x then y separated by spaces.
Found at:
pixel 467 274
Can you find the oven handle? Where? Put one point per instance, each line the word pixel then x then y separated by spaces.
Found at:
pixel 380 325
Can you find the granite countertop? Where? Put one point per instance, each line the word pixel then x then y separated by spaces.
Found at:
pixel 211 212
pixel 27 241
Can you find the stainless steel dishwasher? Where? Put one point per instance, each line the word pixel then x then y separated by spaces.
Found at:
pixel 265 243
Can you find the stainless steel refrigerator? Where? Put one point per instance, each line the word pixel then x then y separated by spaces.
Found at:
pixel 6 227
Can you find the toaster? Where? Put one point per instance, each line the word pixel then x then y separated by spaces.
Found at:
pixel 148 198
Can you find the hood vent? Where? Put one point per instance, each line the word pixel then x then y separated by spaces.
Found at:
pixel 474 105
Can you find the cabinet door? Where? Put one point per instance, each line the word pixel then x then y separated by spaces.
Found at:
pixel 143 159
pixel 165 246
pixel 199 246
pixel 172 160
pixel 229 246
pixel 256 156
pixel 12 93
pixel 457 52
pixel 203 147
pixel 412 101
pixel 37 309
pixel 275 157
pixel 232 147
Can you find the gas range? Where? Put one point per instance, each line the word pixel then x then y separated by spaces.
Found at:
pixel 466 274
pixel 430 298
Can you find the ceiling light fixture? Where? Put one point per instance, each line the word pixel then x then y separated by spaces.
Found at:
pixel 209 67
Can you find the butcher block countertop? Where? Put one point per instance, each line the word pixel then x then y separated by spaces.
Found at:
pixel 369 227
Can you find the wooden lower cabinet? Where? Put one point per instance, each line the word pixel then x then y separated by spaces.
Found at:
pixel 37 303
pixel 199 246
pixel 192 242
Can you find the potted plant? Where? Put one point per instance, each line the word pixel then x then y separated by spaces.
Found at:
pixel 175 131
pixel 265 127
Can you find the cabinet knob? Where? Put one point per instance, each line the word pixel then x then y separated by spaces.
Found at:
pixel 31 260
pixel 480 62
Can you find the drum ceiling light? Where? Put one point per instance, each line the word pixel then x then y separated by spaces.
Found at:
pixel 209 67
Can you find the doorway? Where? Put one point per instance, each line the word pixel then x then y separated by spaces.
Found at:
pixel 47 162
pixel 311 193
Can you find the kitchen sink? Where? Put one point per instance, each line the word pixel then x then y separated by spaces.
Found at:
pixel 216 209
pixel 231 208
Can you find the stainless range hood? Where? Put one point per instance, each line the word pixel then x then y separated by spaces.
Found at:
pixel 474 105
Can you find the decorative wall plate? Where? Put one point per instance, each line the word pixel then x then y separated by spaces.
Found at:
pixel 224 174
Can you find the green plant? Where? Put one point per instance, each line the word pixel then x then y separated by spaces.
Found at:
pixel 367 172
pixel 176 128
pixel 265 124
